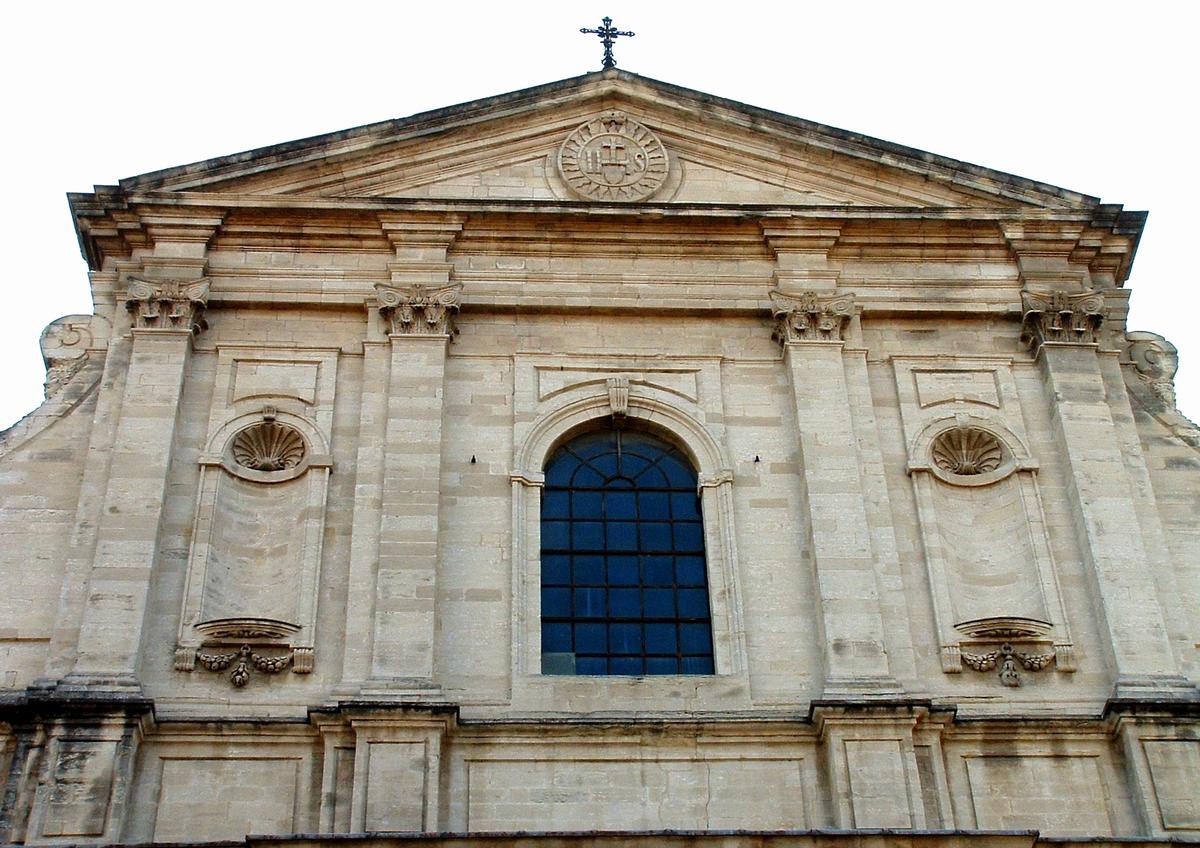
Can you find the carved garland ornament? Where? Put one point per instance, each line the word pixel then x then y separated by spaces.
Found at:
pixel 613 157
pixel 418 310
pixel 1006 659
pixel 811 317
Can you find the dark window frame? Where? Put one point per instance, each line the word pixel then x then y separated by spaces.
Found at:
pixel 624 575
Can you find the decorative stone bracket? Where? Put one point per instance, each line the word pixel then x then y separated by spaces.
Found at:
pixel 618 395
pixel 418 310
pixel 219 654
pixel 1061 318
pixel 168 304
pixel 811 317
pixel 994 644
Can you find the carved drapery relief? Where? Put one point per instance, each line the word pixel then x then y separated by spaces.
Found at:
pixel 1061 318
pixel 991 572
pixel 613 158
pixel 168 304
pixel 65 344
pixel 811 317
pixel 418 310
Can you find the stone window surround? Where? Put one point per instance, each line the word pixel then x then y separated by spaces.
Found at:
pixel 715 482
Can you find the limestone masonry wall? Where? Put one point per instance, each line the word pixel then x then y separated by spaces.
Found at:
pixel 270 552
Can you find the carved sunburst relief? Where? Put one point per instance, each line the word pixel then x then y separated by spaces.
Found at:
pixel 268 446
pixel 967 451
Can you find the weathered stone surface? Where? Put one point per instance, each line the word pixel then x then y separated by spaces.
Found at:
pixel 271 551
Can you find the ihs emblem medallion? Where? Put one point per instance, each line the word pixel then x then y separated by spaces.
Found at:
pixel 613 157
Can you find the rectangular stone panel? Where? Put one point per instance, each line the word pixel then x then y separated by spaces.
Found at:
pixel 1175 772
pixel 209 798
pixel 395 786
pixel 878 783
pixel 762 794
pixel 1029 793
pixel 264 378
pixel 941 386
pixel 77 803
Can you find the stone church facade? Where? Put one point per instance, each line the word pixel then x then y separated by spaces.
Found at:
pixel 604 456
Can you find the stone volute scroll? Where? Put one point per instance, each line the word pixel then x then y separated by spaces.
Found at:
pixel 419 310
pixel 168 304
pixel 1151 382
pixel 811 317
pixel 1156 360
pixel 65 343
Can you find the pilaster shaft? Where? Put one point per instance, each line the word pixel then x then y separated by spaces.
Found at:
pixel 856 662
pixel 166 314
pixel 1063 330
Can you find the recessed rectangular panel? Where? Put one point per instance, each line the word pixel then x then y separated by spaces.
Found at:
pixel 396 786
pixel 1027 793
pixel 605 795
pixel 210 799
pixel 1175 772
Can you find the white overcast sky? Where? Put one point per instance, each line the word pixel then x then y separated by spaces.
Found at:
pixel 1097 97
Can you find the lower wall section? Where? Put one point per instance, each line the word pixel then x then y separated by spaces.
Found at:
pixel 639 794
pixel 225 798
pixel 355 770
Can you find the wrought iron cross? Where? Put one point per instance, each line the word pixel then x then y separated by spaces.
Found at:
pixel 607 34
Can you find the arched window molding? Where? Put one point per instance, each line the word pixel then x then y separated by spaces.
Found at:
pixel 661 416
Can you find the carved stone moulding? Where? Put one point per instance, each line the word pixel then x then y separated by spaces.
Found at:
pixel 1004 627
pixel 236 629
pixel 811 317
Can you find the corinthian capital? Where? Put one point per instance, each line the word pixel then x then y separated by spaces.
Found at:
pixel 1061 318
pixel 811 317
pixel 168 304
pixel 419 311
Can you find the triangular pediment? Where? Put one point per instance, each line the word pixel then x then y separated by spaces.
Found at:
pixel 518 147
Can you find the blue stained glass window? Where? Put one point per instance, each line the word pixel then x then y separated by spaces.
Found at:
pixel 624 585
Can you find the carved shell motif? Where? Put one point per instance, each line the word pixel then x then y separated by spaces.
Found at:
pixel 268 446
pixel 967 451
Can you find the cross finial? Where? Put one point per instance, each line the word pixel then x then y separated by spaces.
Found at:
pixel 607 32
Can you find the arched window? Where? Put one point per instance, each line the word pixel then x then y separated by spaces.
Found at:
pixel 624 582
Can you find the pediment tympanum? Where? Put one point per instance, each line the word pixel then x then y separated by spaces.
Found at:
pixel 608 137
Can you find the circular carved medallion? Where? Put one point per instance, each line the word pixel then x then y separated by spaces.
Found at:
pixel 612 157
